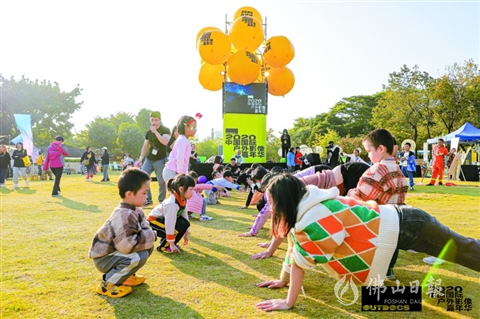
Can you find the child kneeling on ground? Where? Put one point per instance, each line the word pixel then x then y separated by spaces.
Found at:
pixel 125 241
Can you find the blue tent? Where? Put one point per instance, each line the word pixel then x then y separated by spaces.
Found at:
pixel 467 134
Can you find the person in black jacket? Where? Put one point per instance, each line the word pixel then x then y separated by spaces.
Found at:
pixel 88 159
pixel 333 152
pixel 5 164
pixel 105 164
pixel 286 144
pixel 19 167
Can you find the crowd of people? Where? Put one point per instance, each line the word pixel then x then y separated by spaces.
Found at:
pixel 337 197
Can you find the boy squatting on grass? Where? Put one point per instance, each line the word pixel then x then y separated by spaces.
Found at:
pixel 125 241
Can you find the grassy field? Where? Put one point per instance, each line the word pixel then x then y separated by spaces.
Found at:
pixel 46 273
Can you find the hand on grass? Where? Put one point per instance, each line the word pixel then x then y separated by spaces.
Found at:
pixel 262 255
pixel 264 245
pixel 273 304
pixel 246 234
pixel 271 284
pixel 174 249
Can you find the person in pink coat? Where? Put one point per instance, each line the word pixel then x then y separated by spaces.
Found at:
pixel 179 158
pixel 55 160
pixel 197 203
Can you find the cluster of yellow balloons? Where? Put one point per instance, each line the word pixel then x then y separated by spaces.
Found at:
pixel 238 57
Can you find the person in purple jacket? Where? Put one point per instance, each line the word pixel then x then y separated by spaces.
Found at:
pixel 55 160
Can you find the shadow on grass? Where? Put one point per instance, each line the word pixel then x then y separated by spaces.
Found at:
pixel 213 269
pixel 20 190
pixel 223 222
pixel 142 303
pixel 6 191
pixel 71 204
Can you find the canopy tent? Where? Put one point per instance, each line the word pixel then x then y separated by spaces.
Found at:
pixel 467 133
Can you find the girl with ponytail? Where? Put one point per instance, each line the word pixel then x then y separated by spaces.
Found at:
pixel 179 158
pixel 170 218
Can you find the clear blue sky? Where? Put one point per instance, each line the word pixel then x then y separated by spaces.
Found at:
pixel 128 55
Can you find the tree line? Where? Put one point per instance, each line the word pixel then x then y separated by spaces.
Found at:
pixel 411 105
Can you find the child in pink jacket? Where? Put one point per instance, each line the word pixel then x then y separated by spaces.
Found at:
pixel 197 203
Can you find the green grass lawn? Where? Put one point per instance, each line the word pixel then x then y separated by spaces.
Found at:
pixel 46 272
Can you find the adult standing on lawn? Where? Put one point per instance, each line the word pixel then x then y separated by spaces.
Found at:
pixel 5 160
pixel 88 159
pixel 105 164
pixel 439 152
pixel 55 160
pixel 19 165
pixel 154 154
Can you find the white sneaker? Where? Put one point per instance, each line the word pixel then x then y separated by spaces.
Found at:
pixel 15 185
pixel 433 260
pixel 204 218
pixel 2 185
pixel 27 184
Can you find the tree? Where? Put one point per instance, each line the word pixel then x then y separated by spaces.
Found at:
pixel 130 139
pixel 406 107
pixel 208 147
pixel 272 147
pixel 121 117
pixel 301 131
pixel 101 132
pixel 455 95
pixel 50 108
pixel 351 116
pixel 322 140
pixel 142 120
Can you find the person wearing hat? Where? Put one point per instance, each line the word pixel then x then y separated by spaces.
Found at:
pixel 105 164
pixel 154 154
pixel 55 159
pixel 333 152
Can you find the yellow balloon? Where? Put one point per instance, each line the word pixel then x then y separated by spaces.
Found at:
pixel 211 77
pixel 280 81
pixel 246 33
pixel 203 30
pixel 279 51
pixel 248 12
pixel 214 47
pixel 262 74
pixel 243 67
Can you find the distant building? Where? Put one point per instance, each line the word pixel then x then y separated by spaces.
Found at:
pixel 216 134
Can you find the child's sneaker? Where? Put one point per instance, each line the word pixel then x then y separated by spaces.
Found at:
pixel 204 218
pixel 168 250
pixel 134 280
pixel 15 185
pixel 433 260
pixel 390 275
pixel 113 291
